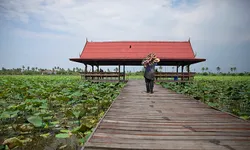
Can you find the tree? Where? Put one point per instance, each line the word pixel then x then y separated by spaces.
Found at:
pixel 187 68
pixel 206 68
pixel 231 69
pixel 116 69
pixel 203 69
pixel 218 69
pixel 143 69
pixel 77 69
pixel 160 68
pixel 23 67
pixel 234 68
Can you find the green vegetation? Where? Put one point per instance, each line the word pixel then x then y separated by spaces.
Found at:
pixel 34 108
pixel 38 110
pixel 227 93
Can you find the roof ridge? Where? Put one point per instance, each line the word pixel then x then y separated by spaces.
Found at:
pixel 138 41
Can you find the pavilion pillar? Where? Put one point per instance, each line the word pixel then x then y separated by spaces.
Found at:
pixel 123 73
pixel 98 71
pixel 86 71
pixel 92 71
pixel 188 69
pixel 97 68
pixel 182 72
pixel 119 69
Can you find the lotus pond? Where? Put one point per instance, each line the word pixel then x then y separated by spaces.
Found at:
pixel 227 93
pixel 51 112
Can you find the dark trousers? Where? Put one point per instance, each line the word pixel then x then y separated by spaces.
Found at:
pixel 149 85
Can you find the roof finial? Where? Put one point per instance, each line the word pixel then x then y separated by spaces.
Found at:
pixel 189 39
pixel 86 39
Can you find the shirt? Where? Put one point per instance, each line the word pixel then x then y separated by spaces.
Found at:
pixel 150 71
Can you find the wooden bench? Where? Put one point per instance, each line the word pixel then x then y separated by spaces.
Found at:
pixel 174 77
pixel 102 75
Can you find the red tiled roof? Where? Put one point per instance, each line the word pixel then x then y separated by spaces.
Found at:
pixel 137 50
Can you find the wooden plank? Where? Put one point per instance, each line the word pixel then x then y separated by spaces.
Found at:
pixel 172 133
pixel 174 145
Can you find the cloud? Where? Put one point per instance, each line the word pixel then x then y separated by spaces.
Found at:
pixel 213 25
pixel 31 34
pixel 223 21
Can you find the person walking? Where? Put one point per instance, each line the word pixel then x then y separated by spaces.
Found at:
pixel 149 64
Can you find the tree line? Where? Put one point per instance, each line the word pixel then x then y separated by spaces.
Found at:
pixel 76 71
pixel 40 71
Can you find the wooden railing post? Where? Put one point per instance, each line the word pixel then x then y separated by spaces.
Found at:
pixel 119 68
pixel 182 75
pixel 98 71
pixel 123 73
pixel 92 70
pixel 86 70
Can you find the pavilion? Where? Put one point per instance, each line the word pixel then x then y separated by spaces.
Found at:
pixel 131 53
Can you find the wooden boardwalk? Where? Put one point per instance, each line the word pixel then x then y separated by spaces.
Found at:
pixel 166 120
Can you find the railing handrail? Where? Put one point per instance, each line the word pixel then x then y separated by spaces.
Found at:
pixel 101 73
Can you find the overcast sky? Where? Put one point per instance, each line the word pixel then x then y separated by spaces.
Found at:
pixel 46 33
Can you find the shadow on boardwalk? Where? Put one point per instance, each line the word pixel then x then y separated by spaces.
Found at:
pixel 166 120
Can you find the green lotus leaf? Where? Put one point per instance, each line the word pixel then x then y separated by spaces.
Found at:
pixel 63 135
pixel 36 121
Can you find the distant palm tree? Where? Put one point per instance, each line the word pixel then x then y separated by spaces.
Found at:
pixel 23 67
pixel 160 68
pixel 28 68
pixel 116 69
pixel 203 69
pixel 187 68
pixel 206 68
pixel 234 68
pixel 231 69
pixel 218 69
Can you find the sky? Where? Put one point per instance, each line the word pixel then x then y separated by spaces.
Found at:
pixel 46 33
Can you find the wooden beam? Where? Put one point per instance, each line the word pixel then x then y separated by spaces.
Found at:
pixel 119 70
pixel 86 70
pixel 182 72
pixel 92 70
pixel 123 73
pixel 98 70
